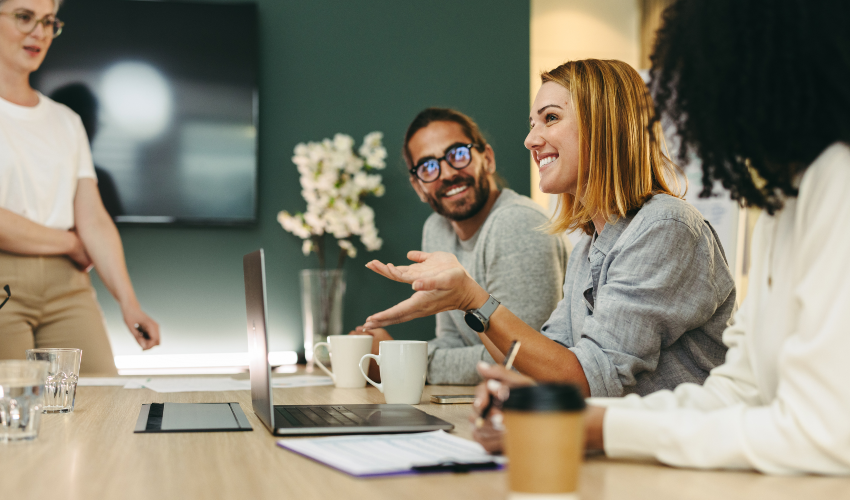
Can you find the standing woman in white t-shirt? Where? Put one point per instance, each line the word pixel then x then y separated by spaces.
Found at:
pixel 53 226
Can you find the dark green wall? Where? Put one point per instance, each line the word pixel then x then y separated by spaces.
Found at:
pixel 326 67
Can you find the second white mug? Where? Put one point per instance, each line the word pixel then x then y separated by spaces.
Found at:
pixel 345 353
pixel 403 365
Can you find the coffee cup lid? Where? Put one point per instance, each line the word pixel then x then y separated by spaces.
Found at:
pixel 545 397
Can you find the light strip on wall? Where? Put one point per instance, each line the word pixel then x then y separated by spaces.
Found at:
pixel 153 364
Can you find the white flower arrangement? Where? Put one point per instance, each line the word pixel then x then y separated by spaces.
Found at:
pixel 334 181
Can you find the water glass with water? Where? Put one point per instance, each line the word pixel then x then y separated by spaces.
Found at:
pixel 21 398
pixel 60 388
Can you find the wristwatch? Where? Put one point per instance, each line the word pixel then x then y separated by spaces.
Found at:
pixel 479 319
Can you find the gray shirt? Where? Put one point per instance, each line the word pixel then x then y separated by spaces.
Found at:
pixel 511 258
pixel 645 302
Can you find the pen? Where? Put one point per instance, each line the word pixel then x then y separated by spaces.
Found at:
pixel 508 363
pixel 455 467
pixel 142 331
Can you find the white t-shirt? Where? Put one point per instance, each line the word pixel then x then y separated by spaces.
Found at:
pixel 43 151
pixel 780 403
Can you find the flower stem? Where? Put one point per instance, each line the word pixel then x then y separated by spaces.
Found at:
pixel 319 244
pixel 341 260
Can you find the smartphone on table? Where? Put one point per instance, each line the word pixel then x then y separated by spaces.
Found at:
pixel 453 398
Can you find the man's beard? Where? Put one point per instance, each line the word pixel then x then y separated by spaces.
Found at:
pixel 481 192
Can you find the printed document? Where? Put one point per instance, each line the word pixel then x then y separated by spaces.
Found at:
pixel 385 454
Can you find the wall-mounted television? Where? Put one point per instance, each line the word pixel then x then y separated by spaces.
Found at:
pixel 168 93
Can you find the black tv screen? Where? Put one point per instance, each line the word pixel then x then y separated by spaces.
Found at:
pixel 168 94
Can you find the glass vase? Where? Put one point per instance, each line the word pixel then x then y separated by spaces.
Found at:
pixel 322 294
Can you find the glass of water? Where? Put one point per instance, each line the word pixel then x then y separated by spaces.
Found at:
pixel 60 388
pixel 21 398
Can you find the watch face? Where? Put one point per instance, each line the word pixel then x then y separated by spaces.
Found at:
pixel 474 322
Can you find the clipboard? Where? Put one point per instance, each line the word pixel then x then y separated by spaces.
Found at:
pixel 191 417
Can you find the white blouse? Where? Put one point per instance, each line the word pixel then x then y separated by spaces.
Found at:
pixel 43 152
pixel 780 403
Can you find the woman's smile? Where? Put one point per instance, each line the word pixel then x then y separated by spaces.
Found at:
pixel 545 160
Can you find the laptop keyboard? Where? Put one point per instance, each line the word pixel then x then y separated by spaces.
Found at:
pixel 316 416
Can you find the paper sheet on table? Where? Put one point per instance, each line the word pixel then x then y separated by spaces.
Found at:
pixel 106 381
pixel 301 381
pixel 386 454
pixel 187 384
pixel 207 384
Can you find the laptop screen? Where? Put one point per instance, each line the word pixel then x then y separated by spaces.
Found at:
pixel 254 265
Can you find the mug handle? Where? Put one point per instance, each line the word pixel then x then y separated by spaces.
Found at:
pixel 316 359
pixel 377 360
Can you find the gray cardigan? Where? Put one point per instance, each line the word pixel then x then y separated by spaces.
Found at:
pixel 646 302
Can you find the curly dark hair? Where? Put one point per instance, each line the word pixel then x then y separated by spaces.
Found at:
pixel 754 85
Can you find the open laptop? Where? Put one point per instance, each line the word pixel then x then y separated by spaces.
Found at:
pixel 286 420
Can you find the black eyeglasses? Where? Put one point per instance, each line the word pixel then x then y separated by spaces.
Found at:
pixel 26 22
pixel 8 295
pixel 458 157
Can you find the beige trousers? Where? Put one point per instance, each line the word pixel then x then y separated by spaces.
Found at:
pixel 53 305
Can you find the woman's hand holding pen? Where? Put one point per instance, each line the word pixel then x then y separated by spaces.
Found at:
pixel 497 384
pixel 441 284
pixel 144 329
pixel 498 381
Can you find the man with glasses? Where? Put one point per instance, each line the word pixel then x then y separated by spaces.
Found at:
pixel 495 233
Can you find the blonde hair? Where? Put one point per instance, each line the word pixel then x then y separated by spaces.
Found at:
pixel 621 163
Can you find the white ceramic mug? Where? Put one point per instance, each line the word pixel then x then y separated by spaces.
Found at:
pixel 403 364
pixel 345 353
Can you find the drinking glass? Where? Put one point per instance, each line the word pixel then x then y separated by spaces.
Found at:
pixel 60 388
pixel 21 398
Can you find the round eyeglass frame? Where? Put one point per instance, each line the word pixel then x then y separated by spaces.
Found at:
pixel 414 170
pixel 55 24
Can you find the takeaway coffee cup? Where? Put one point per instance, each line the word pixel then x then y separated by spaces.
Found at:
pixel 544 441
pixel 345 353
pixel 403 364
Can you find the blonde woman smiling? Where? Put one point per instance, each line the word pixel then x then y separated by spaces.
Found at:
pixel 647 291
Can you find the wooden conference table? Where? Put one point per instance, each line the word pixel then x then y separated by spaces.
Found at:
pixel 93 454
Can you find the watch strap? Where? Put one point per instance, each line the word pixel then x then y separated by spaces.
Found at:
pixel 488 308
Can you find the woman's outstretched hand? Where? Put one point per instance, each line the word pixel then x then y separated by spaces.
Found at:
pixel 441 284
